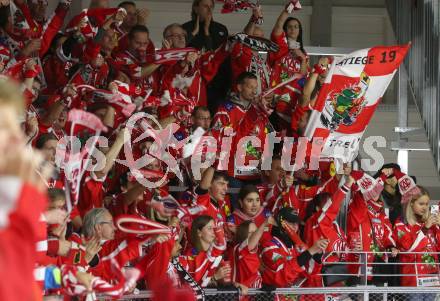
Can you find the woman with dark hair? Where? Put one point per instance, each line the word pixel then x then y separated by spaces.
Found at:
pixel 203 32
pixel 290 60
pixel 250 208
pixel 208 244
pixel 207 35
pixel 391 195
pixel 284 255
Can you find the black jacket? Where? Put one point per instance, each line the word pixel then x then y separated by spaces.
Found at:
pixel 218 33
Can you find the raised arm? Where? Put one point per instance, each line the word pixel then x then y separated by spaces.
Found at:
pixel 111 155
pixel 278 28
pixel 207 178
pixel 250 26
pixel 256 236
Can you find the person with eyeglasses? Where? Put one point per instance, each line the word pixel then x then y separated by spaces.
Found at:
pixel 175 36
pixel 190 77
pixel 100 244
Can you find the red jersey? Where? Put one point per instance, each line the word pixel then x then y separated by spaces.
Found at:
pixel 285 64
pixel 306 193
pixel 88 75
pixel 132 65
pixel 46 32
pixel 218 210
pixel 56 72
pixel 416 238
pixel 230 114
pixel 280 268
pixel 155 263
pixel 367 222
pixel 276 197
pixel 202 265
pixel 21 232
pixel 245 265
pixel 254 123
pixel 322 224
pixel 91 193
pixel 122 250
pixel 193 83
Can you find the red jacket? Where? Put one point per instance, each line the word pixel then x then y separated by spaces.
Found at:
pixel 46 32
pixel 230 114
pixel 285 65
pixel 367 222
pixel 416 238
pixel 194 82
pixel 245 264
pixel 201 265
pixel 280 268
pixel 18 239
pixel 276 197
pixel 255 123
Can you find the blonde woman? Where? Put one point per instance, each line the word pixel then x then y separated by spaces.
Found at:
pixel 418 231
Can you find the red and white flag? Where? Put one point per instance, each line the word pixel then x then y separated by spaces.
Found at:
pixel 82 125
pixel 346 103
pixel 171 56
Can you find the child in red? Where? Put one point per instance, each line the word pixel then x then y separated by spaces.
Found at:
pixel 243 255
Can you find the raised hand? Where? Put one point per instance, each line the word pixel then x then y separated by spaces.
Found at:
pixel 4 3
pixel 387 171
pixel 207 24
pixel 56 216
pixel 288 180
pixel 319 246
pixel 93 247
pixel 142 15
pixel 196 26
pixel 166 44
pixel 222 272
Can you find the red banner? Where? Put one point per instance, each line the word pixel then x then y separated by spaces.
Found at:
pixel 348 99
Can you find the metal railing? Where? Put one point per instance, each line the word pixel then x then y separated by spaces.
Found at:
pixel 362 290
pixel 358 293
pixel 418 22
pixel 365 274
